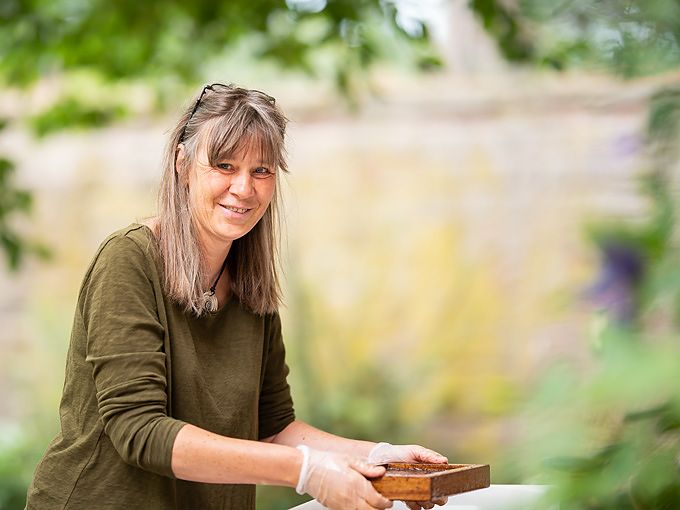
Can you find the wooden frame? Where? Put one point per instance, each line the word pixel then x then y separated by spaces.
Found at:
pixel 423 482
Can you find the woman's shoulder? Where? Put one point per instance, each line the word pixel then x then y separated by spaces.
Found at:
pixel 123 249
pixel 133 238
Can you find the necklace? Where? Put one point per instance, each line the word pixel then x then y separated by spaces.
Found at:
pixel 209 297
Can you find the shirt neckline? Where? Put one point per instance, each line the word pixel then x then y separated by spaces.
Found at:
pixel 208 315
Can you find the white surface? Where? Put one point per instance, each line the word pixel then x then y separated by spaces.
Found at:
pixel 496 497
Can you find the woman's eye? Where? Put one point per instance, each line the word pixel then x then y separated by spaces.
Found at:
pixel 262 172
pixel 225 166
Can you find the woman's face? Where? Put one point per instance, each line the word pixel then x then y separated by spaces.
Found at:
pixel 230 198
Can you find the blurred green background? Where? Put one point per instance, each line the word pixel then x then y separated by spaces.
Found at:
pixel 481 252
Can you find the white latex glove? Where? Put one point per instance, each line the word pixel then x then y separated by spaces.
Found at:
pixel 382 453
pixel 339 482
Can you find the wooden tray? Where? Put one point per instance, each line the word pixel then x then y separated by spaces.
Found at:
pixel 423 482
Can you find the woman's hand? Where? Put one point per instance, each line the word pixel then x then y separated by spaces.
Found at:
pixel 382 453
pixel 339 482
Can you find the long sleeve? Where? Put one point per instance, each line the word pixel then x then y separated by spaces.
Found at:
pixel 125 350
pixel 275 405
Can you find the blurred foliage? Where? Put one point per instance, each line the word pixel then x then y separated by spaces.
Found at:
pixel 125 40
pixel 631 38
pixel 499 20
pixel 609 440
pixel 629 407
pixel 14 201
pixel 362 401
pixel 611 435
pixel 147 42
pixel 72 113
pixel 18 457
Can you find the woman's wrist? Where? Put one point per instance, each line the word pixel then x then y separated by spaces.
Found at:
pixel 304 469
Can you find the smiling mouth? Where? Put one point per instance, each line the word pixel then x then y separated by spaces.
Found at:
pixel 239 210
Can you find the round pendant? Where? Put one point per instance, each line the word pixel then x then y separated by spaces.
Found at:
pixel 210 302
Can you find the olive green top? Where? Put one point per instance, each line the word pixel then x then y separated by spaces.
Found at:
pixel 138 369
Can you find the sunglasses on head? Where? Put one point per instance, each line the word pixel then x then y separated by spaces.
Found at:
pixel 212 87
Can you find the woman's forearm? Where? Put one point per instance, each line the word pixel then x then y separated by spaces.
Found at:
pixel 201 456
pixel 299 432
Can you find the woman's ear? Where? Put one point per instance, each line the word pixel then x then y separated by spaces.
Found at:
pixel 180 154
pixel 181 165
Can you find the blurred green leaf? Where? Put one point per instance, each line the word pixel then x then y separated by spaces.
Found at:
pixel 19 453
pixel 71 113
pixel 504 24
pixel 15 201
pixel 664 115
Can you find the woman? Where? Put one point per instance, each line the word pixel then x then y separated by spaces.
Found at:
pixel 175 393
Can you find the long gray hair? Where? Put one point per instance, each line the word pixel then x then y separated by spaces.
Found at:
pixel 224 119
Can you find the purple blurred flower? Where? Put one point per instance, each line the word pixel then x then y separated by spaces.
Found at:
pixel 628 145
pixel 621 272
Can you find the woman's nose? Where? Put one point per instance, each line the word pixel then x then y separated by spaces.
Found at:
pixel 241 184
